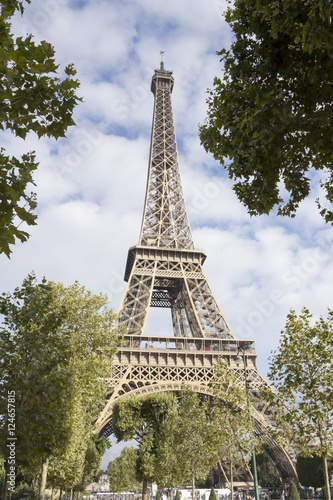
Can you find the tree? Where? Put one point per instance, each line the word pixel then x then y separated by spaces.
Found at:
pixel 310 471
pixel 141 418
pixel 169 471
pixel 33 99
pixel 212 495
pixel 56 346
pixel 66 467
pixel 95 450
pixel 293 492
pixel 302 371
pixel 267 475
pixel 188 443
pixel 122 471
pixel 270 118
pixel 230 417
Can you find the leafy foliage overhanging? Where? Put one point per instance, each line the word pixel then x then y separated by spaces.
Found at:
pixel 33 99
pixel 270 115
pixel 301 370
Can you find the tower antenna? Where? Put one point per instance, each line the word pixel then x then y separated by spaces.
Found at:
pixel 162 59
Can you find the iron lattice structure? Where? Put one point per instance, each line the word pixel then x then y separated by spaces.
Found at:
pixel 165 270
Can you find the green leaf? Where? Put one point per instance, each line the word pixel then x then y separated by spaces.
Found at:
pixel 33 100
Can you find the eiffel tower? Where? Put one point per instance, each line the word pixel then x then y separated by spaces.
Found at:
pixel 165 270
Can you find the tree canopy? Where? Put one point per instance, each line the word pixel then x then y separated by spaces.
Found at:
pixel 230 417
pixel 310 470
pixel 177 441
pixel 270 114
pixel 123 471
pixel 141 418
pixel 301 370
pixel 188 443
pixel 267 474
pixel 33 99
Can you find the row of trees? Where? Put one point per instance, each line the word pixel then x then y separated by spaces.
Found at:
pixel 123 476
pixel 180 439
pixel 56 345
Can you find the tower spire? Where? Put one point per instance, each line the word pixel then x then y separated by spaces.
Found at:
pixel 165 221
pixel 162 60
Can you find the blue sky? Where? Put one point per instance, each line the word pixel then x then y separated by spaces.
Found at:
pixel 91 185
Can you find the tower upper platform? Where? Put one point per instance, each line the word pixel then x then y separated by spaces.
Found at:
pixel 162 78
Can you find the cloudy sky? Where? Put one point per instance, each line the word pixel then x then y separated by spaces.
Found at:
pixel 91 185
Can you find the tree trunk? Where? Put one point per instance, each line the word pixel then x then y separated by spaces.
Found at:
pixel 60 494
pixel 193 485
pixel 231 481
pixel 42 486
pixel 220 478
pixel 144 489
pixel 327 479
pixel 5 483
pixel 52 492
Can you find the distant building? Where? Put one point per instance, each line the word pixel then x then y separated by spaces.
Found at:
pixel 102 485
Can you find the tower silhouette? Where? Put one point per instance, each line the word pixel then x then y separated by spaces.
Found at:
pixel 165 270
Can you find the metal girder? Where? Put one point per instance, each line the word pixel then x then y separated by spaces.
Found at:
pixel 165 222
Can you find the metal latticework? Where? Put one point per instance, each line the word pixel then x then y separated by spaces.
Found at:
pixel 165 270
pixel 171 278
pixel 165 222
